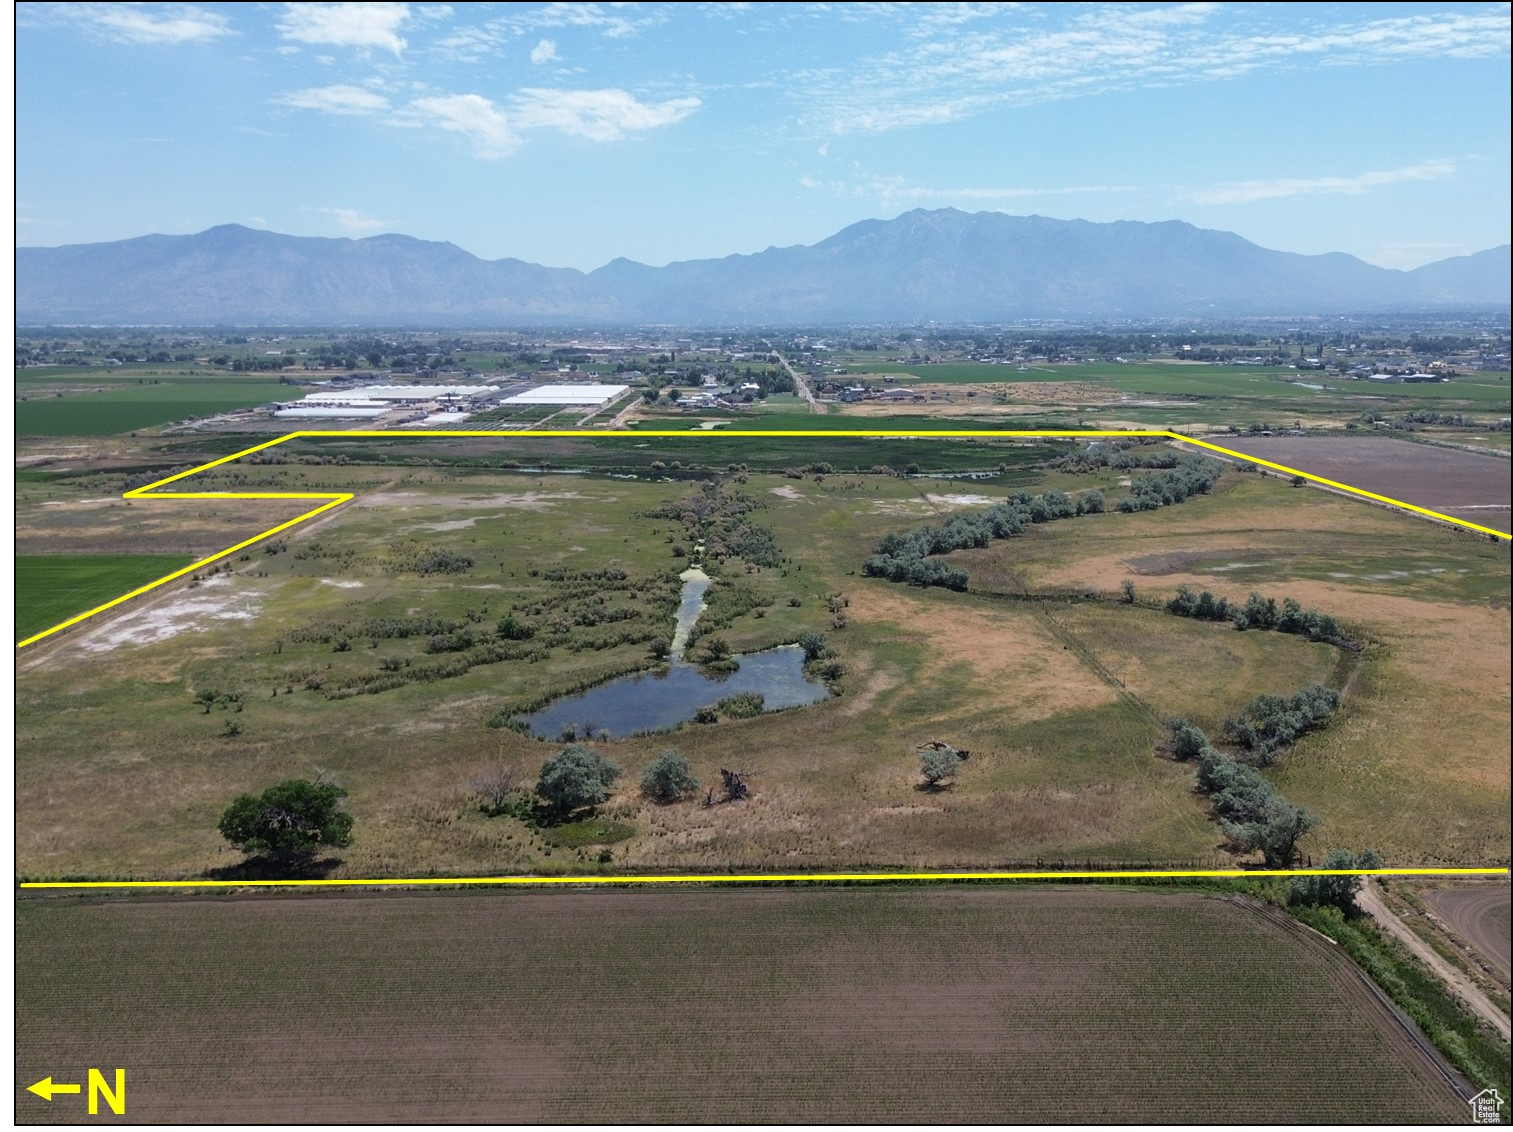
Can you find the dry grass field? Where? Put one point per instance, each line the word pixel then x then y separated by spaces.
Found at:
pixel 982 1005
pixel 1416 764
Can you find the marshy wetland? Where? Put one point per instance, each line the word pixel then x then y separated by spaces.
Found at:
pixel 392 643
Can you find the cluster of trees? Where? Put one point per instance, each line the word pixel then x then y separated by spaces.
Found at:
pixel 1257 613
pixel 722 521
pixel 1122 454
pixel 908 557
pixel 1337 891
pixel 578 777
pixel 1415 417
pixel 1268 724
pixel 1251 813
pixel 1192 475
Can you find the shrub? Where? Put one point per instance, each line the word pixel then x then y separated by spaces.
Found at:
pixel 669 777
pixel 575 777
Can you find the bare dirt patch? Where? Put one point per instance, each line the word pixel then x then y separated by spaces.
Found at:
pixel 1453 482
pixel 601 1008
pixel 186 611
pixel 1480 916
pixel 526 500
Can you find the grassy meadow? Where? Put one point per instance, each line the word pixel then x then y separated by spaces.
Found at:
pixel 1060 699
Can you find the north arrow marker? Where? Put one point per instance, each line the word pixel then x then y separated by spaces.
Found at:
pixel 46 1089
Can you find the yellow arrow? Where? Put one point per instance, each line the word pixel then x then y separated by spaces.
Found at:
pixel 45 1088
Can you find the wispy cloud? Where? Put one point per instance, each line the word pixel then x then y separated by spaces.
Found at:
pixel 893 191
pixel 1246 192
pixel 351 219
pixel 485 126
pixel 140 23
pixel 544 52
pixel 615 21
pixel 598 115
pixel 346 25
pixel 955 61
pixel 338 99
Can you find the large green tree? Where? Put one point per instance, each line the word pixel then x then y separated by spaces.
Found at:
pixel 288 822
pixel 575 777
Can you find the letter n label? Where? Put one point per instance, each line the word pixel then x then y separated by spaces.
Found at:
pixel 115 1098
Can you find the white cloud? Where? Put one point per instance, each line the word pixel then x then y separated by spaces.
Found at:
pixel 599 115
pixel 471 115
pixel 338 99
pixel 159 24
pixel 346 25
pixel 544 52
pixel 1246 192
pixel 353 219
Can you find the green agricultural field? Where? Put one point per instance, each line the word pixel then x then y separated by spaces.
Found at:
pixel 817 1005
pixel 128 407
pixel 1216 395
pixel 51 588
pixel 374 637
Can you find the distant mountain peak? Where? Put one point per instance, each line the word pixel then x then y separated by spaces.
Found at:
pixel 942 264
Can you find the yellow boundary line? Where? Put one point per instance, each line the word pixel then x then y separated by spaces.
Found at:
pixel 335 499
pixel 760 878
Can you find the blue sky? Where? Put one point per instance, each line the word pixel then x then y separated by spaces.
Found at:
pixel 568 134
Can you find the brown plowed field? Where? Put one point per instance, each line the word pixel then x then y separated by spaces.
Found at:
pixel 931 1005
pixel 1480 916
pixel 1460 484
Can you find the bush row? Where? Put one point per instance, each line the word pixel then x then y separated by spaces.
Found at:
pixel 1251 813
pixel 1257 613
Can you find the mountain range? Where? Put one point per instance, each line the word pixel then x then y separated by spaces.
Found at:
pixel 943 264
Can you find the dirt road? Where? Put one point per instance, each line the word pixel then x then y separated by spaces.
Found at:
pixel 800 384
pixel 1480 916
pixel 1370 901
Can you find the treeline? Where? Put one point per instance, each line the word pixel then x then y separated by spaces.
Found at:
pixel 1258 613
pixel 909 556
pixel 1193 475
pixel 1268 724
pixel 1251 813
pixel 1415 417
pixel 1120 454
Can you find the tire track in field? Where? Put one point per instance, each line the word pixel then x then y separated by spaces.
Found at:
pixel 1471 913
pixel 1370 901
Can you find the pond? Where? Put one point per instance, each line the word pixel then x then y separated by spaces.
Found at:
pixel 657 701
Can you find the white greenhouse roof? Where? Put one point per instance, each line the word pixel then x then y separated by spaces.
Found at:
pixel 567 395
pixel 332 411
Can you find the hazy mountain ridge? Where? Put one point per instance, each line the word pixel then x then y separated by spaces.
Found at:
pixel 943 264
